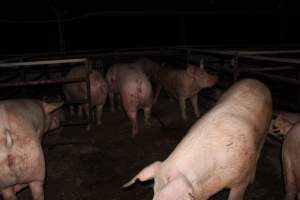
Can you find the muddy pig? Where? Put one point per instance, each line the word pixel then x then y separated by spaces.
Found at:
pixel 77 91
pixel 185 84
pixel 22 125
pixel 219 151
pixel 134 90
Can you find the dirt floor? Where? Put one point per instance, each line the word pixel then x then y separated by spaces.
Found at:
pixel 94 165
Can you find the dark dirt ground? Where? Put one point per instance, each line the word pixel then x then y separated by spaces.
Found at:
pixel 94 165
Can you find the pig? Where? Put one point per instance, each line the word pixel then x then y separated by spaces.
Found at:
pixel 219 151
pixel 77 91
pixel 185 84
pixel 290 161
pixel 149 67
pixel 134 90
pixel 22 125
pixel 283 122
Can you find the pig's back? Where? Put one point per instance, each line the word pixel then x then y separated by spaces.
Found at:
pixel 231 134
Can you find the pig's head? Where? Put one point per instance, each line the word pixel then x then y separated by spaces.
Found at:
pixel 52 114
pixel 280 126
pixel 174 187
pixel 200 76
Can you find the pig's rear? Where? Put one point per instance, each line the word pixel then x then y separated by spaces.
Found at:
pixel 135 89
pixel 20 151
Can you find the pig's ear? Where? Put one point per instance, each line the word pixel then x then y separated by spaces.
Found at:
pixel 50 107
pixel 146 174
pixel 191 70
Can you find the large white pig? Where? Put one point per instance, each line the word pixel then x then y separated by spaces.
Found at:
pixel 134 90
pixel 219 151
pixel 77 91
pixel 22 124
pixel 185 84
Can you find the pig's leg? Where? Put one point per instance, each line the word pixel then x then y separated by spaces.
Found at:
pixel 37 190
pixel 158 89
pixel 194 101
pixel 19 187
pixel 237 193
pixel 112 101
pixel 99 111
pixel 147 113
pixel 9 194
pixel 132 115
pixel 290 183
pixel 183 108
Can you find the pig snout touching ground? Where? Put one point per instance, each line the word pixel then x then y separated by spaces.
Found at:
pixel 22 125
pixel 290 162
pixel 134 90
pixel 77 91
pixel 219 151
pixel 185 84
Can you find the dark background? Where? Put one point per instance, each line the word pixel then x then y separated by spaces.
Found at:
pixel 35 26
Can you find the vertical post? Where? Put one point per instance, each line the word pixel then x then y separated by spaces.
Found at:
pixel 298 97
pixel 236 69
pixel 188 56
pixel 88 91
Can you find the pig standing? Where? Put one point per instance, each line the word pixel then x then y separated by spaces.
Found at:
pixel 220 150
pixel 134 90
pixel 77 91
pixel 185 84
pixel 22 124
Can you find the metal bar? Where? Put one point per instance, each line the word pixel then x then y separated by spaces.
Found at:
pixel 214 52
pixel 44 62
pixel 265 58
pixel 88 67
pixel 269 52
pixel 275 77
pixel 42 82
pixel 268 69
